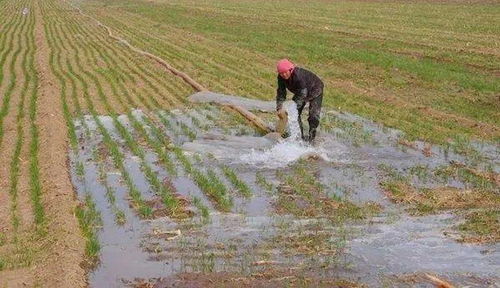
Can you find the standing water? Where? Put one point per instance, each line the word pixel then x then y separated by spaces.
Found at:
pixel 287 150
pixel 255 234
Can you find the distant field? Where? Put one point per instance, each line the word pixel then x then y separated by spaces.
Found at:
pixel 430 68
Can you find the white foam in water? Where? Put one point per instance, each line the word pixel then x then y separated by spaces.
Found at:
pixel 286 151
pixel 293 123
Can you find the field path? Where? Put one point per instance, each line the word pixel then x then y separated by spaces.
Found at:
pixel 59 196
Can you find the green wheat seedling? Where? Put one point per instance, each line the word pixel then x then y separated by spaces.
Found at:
pixel 198 159
pixel 66 112
pixel 155 142
pixel 34 171
pixel 241 186
pixel 4 110
pixel 352 131
pixel 196 122
pixel 204 212
pixel 208 121
pixel 263 183
pixel 209 184
pixel 137 72
pixel 8 33
pixel 90 222
pixel 422 172
pixel 392 173
pixel 118 159
pixel 187 130
pixel 438 79
pixel 462 145
pixel 468 176
pixel 213 186
pixel 110 195
pixel 80 170
pixel 15 162
pixel 163 191
pixel 186 164
pixel 152 141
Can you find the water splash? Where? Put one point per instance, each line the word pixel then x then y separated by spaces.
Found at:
pixel 293 123
pixel 286 151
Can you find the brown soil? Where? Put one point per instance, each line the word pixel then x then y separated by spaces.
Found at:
pixel 6 150
pixel 266 278
pixel 159 209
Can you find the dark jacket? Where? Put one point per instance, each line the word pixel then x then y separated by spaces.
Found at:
pixel 304 84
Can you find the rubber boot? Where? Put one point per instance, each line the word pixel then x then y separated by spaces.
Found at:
pixel 302 130
pixel 312 135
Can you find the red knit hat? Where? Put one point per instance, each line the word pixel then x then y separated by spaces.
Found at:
pixel 284 65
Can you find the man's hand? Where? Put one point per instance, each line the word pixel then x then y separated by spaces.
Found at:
pixel 282 122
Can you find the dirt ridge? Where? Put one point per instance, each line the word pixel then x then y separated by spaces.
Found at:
pixel 62 266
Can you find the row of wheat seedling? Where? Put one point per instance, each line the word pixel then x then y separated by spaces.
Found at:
pixel 110 193
pixel 177 55
pixel 88 217
pixel 6 97
pixel 240 185
pixel 155 84
pixel 208 183
pixel 87 213
pixel 14 164
pixel 34 169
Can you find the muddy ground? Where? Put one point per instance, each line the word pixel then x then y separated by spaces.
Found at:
pixel 323 215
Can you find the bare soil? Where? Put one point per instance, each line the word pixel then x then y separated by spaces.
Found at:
pixel 266 278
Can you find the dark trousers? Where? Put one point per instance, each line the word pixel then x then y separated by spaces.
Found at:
pixel 314 113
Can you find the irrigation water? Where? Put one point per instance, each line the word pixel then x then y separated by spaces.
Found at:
pixel 352 156
pixel 287 150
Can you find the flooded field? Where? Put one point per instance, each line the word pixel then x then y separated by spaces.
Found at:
pixel 198 198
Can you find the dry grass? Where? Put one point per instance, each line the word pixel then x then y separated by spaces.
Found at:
pixel 424 201
pixel 481 226
pixel 301 194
